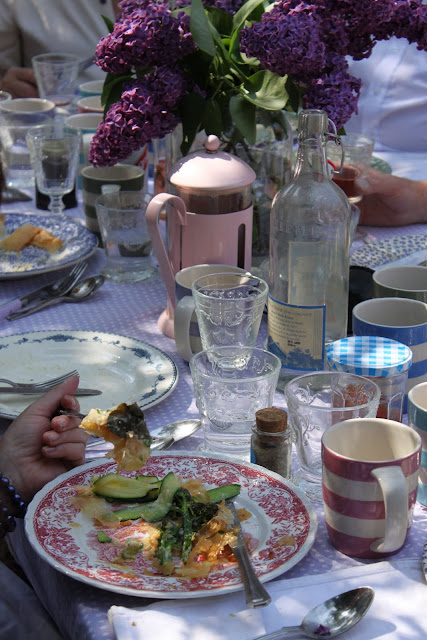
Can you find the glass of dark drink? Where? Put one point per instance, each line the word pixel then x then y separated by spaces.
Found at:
pixel 356 160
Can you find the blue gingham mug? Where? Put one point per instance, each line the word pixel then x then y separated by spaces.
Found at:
pixel 417 419
pixel 400 319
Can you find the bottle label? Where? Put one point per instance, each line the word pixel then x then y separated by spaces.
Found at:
pixel 297 334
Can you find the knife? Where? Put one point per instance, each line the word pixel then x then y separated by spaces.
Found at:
pixel 79 392
pixel 11 306
pixel 256 595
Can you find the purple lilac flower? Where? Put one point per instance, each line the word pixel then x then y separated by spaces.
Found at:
pixel 145 112
pixel 229 6
pixel 409 20
pixel 147 36
pixel 287 40
pixel 337 93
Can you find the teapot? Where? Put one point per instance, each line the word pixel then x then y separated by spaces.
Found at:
pixel 208 217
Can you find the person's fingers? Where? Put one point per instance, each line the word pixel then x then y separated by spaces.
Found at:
pixel 54 438
pixel 20 82
pixel 73 452
pixel 60 424
pixel 47 404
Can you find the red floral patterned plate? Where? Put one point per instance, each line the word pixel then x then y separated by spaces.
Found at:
pixel 283 526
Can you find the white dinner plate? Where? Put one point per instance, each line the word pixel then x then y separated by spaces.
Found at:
pixel 374 254
pixel 282 528
pixel 78 244
pixel 124 369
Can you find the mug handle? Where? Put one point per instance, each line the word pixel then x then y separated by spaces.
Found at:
pixel 183 312
pixel 395 494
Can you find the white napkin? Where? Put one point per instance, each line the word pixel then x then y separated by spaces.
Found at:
pixel 397 612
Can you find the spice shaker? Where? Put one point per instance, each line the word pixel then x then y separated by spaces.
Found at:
pixel 382 360
pixel 271 444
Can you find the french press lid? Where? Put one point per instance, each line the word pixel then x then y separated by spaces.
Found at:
pixel 212 181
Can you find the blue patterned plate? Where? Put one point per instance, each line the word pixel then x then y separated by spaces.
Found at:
pixel 78 244
pixel 125 369
pixel 375 254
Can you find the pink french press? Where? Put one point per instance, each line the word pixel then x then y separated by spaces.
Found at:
pixel 208 217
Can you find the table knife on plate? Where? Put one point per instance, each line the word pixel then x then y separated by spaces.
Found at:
pixel 79 392
pixel 256 595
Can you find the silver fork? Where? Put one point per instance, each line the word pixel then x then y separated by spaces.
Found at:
pixel 63 285
pixel 39 386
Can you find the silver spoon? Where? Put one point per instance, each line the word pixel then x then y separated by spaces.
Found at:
pixel 167 435
pixel 335 616
pixel 79 292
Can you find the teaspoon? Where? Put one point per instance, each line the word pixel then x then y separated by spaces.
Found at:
pixel 79 292
pixel 335 616
pixel 167 435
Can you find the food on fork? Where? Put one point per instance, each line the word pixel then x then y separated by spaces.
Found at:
pixel 28 234
pixel 126 429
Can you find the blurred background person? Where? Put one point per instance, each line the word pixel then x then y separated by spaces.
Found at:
pixel 31 27
pixel 393 101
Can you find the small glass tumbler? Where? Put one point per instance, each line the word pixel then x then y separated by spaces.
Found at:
pixel 229 308
pixel 127 244
pixel 315 402
pixel 228 397
pixel 56 76
pixel 357 157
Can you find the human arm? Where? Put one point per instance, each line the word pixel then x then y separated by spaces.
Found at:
pixel 391 201
pixel 36 448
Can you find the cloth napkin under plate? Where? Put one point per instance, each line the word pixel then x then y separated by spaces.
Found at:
pixel 398 611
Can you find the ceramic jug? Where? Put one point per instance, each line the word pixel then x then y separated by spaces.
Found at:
pixel 208 217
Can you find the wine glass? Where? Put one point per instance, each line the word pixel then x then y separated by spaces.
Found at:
pixel 54 151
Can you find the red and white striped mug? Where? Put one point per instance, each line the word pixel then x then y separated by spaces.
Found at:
pixel 369 479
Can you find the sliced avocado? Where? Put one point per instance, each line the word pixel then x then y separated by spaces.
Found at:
pixel 102 537
pixel 153 511
pixel 114 485
pixel 218 494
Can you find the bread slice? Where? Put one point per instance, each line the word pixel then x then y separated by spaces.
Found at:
pixel 19 238
pixel 46 240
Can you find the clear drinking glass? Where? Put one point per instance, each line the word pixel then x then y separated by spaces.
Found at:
pixel 229 308
pixel 357 157
pixel 127 244
pixel 56 76
pixel 228 398
pixel 54 151
pixel 315 402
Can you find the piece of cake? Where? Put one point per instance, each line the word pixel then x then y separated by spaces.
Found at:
pixel 19 238
pixel 46 240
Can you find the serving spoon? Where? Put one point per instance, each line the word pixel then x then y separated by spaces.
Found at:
pixel 328 620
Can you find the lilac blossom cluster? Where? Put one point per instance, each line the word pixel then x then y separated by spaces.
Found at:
pixel 309 40
pixel 146 35
pixel 145 111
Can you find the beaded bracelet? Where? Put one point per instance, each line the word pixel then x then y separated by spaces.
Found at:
pixel 7 521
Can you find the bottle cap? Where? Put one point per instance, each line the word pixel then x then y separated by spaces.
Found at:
pixel 371 356
pixel 271 419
